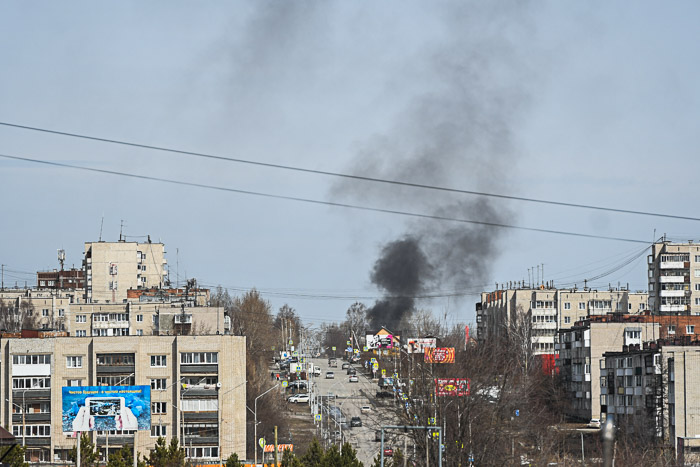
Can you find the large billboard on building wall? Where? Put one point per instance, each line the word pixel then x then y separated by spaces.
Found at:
pixel 92 408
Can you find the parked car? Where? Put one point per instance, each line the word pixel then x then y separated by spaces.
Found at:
pixel 299 398
pixel 354 379
pixel 594 423
pixel 365 409
pixel 330 375
pixel 388 452
pixel 355 421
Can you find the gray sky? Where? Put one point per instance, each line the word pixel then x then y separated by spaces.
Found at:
pixel 583 102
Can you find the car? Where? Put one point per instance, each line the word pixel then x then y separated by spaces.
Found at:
pixel 377 435
pixel 298 398
pixel 354 379
pixel 355 421
pixel 330 375
pixel 337 435
pixel 594 423
pixel 384 395
pixel 352 371
pixel 365 409
pixel 345 365
pixel 317 371
pixel 388 452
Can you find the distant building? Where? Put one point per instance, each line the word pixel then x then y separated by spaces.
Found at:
pixel 548 310
pixel 112 268
pixel 674 278
pixel 69 279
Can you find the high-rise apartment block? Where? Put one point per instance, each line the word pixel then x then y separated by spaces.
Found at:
pixel 674 278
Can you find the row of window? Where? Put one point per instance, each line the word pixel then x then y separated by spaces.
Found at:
pixel 199 357
pixel 157 361
pixel 101 317
pixel 31 359
pixel 32 431
pixel 31 383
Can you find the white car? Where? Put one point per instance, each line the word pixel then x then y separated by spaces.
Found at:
pixel 365 409
pixel 298 399
pixel 330 375
pixel 594 423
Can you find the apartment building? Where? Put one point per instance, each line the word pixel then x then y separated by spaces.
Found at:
pixel 549 310
pixel 582 349
pixel 197 391
pixel 654 387
pixel 63 279
pixel 49 309
pixel 112 268
pixel 674 278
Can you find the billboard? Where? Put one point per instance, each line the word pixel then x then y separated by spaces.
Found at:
pixel 440 355
pixel 451 387
pixel 92 408
pixel 419 344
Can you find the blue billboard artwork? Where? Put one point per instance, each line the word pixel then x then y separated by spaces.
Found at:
pixel 93 408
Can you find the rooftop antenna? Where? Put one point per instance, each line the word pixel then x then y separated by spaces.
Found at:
pixel 101 224
pixel 61 257
pixel 121 228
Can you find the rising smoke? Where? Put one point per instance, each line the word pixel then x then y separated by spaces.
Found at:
pixel 458 133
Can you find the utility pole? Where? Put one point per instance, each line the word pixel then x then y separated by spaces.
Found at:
pixel 276 464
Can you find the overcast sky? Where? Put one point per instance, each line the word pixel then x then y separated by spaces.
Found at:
pixel 591 103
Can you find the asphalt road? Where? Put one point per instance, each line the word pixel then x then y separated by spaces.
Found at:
pixel 350 398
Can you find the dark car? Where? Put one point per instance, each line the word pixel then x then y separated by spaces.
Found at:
pixel 352 371
pixel 384 395
pixel 355 421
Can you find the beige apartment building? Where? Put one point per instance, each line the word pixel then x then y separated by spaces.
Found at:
pixel 674 278
pixel 549 310
pixel 197 391
pixel 112 268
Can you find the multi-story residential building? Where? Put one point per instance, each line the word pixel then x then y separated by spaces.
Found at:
pixel 197 391
pixel 112 268
pixel 582 347
pixel 63 279
pixel 674 278
pixel 549 310
pixel 653 389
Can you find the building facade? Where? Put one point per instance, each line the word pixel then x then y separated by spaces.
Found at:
pixel 549 310
pixel 197 391
pixel 674 278
pixel 112 268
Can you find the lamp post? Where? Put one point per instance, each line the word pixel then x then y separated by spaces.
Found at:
pixel 255 427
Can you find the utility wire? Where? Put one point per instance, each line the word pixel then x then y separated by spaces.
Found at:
pixel 319 202
pixel 348 176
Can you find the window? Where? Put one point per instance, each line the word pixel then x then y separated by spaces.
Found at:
pixel 74 362
pixel 31 383
pixel 567 319
pixel 203 451
pixel 81 318
pixel 116 380
pixel 139 332
pixel 697 300
pixel 61 312
pixel 80 333
pixel 159 407
pixel 671 328
pixel 581 305
pixel 116 359
pixel 45 312
pixel 32 431
pixel 31 359
pixel 74 382
pixel 567 305
pixel 158 430
pixel 642 306
pixel 697 286
pixel 697 273
pixel 158 360
pixel 199 405
pixel 697 258
pixel 159 384
pixel 690 329
pixel 139 318
pixel 199 357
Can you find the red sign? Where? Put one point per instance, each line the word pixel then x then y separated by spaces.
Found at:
pixel 451 386
pixel 280 447
pixel 440 355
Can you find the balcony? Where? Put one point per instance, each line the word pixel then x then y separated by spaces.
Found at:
pixel 31 394
pixel 208 390
pixel 112 324
pixel 673 265
pixel 201 440
pixel 199 368
pixel 200 416
pixel 674 279
pixel 673 293
pixel 672 308
pixel 183 319
pixel 31 418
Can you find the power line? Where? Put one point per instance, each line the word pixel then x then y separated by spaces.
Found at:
pixel 325 203
pixel 349 176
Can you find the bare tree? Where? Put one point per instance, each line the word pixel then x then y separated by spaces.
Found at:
pixel 14 318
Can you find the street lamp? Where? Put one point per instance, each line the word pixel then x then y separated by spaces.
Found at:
pixel 255 427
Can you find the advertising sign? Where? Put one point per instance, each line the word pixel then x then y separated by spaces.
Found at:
pixel 386 342
pixel 419 344
pixel 452 387
pixel 372 341
pixel 92 408
pixel 440 355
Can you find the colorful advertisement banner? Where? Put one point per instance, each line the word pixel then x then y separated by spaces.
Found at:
pixel 440 355
pixel 451 387
pixel 419 344
pixel 93 408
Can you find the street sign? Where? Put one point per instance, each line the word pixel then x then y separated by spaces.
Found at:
pixel 333 348
pixel 261 442
pixel 365 349
pixel 285 384
pixel 317 417
pixel 349 343
pixel 383 371
pixel 375 366
pixel 517 412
